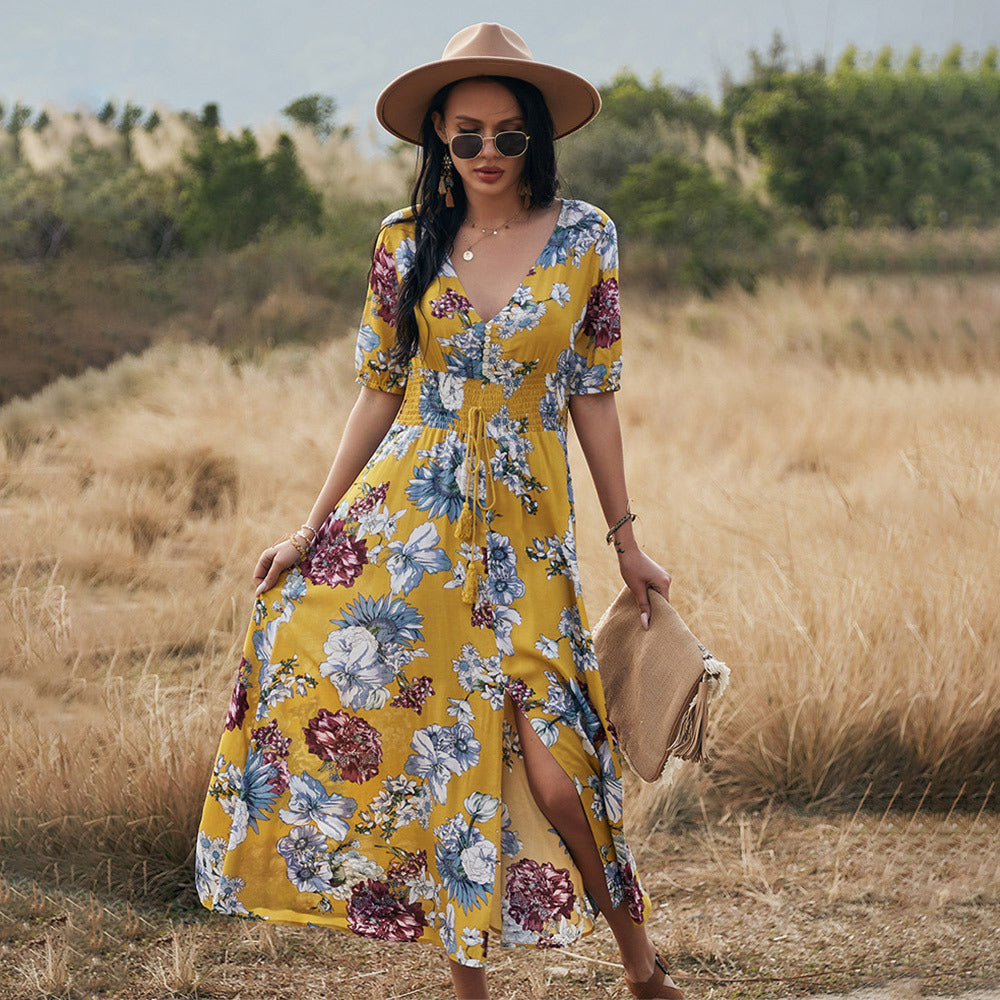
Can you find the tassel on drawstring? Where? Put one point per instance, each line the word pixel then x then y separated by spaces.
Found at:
pixel 465 524
pixel 473 510
pixel 470 589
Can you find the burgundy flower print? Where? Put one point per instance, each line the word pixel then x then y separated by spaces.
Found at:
pixel 238 706
pixel 402 872
pixel 449 304
pixel 238 703
pixel 483 614
pixel 538 893
pixel 352 745
pixel 269 738
pixel 384 283
pixel 337 558
pixel 368 500
pixel 633 894
pixel 519 692
pixel 374 912
pixel 603 313
pixel 414 695
pixel 275 749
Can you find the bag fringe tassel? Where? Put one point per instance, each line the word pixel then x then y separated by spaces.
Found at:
pixel 689 743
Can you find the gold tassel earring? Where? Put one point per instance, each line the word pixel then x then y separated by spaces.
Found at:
pixel 446 181
pixel 525 187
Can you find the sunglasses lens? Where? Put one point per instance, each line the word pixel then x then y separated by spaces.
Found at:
pixel 511 143
pixel 467 145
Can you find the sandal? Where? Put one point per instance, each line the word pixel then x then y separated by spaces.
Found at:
pixel 653 988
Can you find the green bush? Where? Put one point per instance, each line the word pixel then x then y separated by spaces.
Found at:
pixel 713 230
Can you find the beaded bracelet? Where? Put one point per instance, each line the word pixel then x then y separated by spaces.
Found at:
pixel 624 519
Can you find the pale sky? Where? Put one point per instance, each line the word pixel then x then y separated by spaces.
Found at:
pixel 253 57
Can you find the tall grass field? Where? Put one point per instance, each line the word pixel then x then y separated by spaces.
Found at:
pixel 816 465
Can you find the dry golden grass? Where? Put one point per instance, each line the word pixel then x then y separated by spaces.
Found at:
pixel 827 503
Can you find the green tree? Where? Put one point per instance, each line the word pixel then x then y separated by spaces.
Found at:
pixel 231 192
pixel 315 112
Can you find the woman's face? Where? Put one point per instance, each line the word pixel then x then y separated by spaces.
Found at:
pixel 486 107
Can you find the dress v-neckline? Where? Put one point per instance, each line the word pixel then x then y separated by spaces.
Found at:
pixel 520 284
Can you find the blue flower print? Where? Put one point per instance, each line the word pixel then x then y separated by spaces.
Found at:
pixel 308 864
pixel 461 746
pixel 611 783
pixel 548 731
pixel 295 586
pixel 447 929
pixel 418 555
pixel 565 700
pixel 504 620
pixel 227 900
pixel 256 788
pixel 476 672
pixel 367 342
pixel 461 709
pixel 210 856
pixel 585 379
pixel 389 619
pixel 510 843
pixel 549 648
pixel 550 410
pixel 356 668
pixel 441 397
pixel 504 589
pixel 522 312
pixel 463 353
pixel 440 752
pixel 309 802
pixel 500 555
pixel 434 486
pixel 607 246
pixel 404 257
pixel 301 842
pixel 560 293
pixel 466 862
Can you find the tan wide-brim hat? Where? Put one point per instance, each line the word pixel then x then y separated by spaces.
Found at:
pixel 485 50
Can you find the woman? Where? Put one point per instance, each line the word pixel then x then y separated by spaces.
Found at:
pixel 417 746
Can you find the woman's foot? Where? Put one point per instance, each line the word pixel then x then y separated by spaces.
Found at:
pixel 653 985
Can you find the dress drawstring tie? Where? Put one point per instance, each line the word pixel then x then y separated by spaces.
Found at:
pixel 472 520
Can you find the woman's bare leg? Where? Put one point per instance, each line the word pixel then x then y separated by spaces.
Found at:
pixel 469 982
pixel 559 802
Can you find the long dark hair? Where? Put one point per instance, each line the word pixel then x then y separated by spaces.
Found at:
pixel 437 225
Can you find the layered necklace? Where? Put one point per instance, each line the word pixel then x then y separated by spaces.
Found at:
pixel 487 231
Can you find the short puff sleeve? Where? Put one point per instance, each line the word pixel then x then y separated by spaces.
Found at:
pixel 377 333
pixel 597 342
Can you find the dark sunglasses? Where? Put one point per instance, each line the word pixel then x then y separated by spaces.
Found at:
pixel 468 145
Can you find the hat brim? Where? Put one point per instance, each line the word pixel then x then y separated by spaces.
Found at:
pixel 572 101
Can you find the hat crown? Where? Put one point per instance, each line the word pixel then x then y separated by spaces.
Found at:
pixel 486 41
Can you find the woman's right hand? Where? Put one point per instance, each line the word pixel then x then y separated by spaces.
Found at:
pixel 273 561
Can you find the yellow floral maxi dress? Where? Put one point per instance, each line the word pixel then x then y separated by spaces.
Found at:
pixel 369 775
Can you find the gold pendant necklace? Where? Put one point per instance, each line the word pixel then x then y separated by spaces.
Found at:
pixel 486 231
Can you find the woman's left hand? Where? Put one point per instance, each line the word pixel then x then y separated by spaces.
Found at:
pixel 639 573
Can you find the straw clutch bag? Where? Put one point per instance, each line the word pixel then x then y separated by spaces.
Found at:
pixel 657 683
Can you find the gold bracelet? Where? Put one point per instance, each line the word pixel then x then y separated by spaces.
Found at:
pixel 303 552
